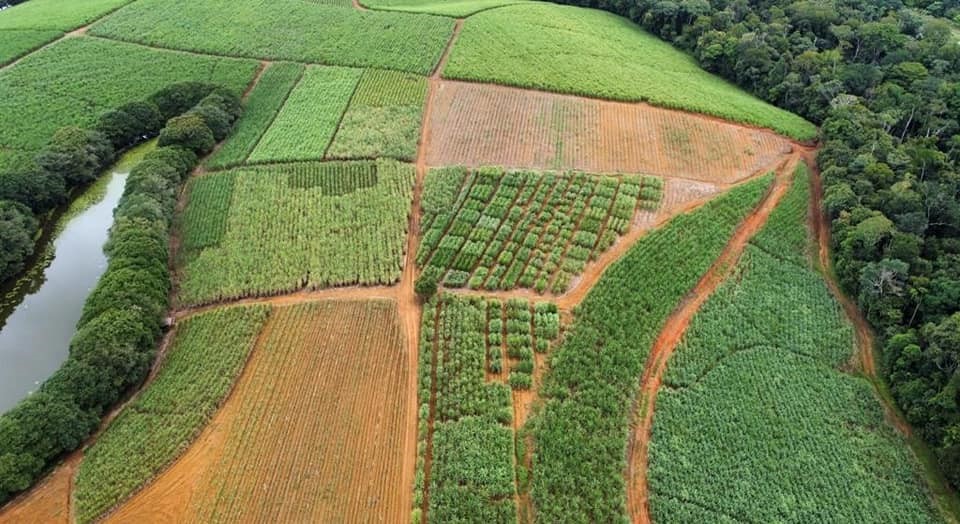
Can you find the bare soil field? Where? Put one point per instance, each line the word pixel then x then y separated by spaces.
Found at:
pixel 480 124
pixel 313 432
pixel 48 502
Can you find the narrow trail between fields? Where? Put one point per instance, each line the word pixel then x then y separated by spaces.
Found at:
pixel 672 332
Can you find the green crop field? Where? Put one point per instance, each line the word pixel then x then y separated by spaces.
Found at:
pixel 318 225
pixel 594 53
pixel 454 8
pixel 208 352
pixel 526 229
pixel 582 431
pixel 805 427
pixel 470 349
pixel 15 43
pixel 293 30
pixel 384 117
pixel 306 123
pixel 72 82
pixel 57 14
pixel 262 107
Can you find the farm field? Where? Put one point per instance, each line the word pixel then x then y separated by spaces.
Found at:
pixel 477 124
pixel 293 30
pixel 56 14
pixel 208 353
pixel 305 125
pixel 15 43
pixel 473 351
pixel 323 373
pixel 778 380
pixel 594 53
pixel 581 432
pixel 454 8
pixel 384 117
pixel 73 81
pixel 319 224
pixel 503 230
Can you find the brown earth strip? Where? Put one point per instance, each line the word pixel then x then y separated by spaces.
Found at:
pixel 671 334
pixel 485 124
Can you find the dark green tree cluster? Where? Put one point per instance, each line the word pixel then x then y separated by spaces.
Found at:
pixel 75 156
pixel 883 79
pixel 122 318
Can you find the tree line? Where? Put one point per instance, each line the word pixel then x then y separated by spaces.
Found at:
pixel 123 317
pixel 882 78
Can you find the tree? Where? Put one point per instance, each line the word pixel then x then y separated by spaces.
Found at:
pixel 18 228
pixel 427 282
pixel 76 154
pixel 188 131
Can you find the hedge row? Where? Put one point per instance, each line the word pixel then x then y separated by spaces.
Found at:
pixel 75 156
pixel 122 319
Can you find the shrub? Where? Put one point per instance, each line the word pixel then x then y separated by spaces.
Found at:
pixel 426 284
pixel 78 155
pixel 179 98
pixel 18 228
pixel 188 131
pixel 35 188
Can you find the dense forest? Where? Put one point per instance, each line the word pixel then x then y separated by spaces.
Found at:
pixel 882 78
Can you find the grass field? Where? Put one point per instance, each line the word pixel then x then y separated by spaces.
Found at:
pixel 526 229
pixel 262 107
pixel 306 123
pixel 805 426
pixel 383 120
pixel 594 53
pixel 207 354
pixel 264 230
pixel 56 14
pixel 74 81
pixel 293 30
pixel 581 433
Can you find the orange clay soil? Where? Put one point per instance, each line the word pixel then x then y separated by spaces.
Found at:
pixel 484 124
pixel 672 332
pixel 48 502
pixel 313 431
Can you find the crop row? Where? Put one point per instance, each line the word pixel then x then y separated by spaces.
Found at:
pixel 262 107
pixel 208 352
pixel 581 432
pixel 318 225
pixel 524 229
pixel 763 359
pixel 292 30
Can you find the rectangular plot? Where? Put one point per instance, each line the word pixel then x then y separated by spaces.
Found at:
pixel 305 125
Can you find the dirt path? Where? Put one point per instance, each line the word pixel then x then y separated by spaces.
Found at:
pixel 672 332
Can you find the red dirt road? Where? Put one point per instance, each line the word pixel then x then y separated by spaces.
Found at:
pixel 672 332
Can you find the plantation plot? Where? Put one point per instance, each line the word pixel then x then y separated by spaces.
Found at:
pixel 762 360
pixel 593 53
pixel 294 30
pixel 305 125
pixel 470 348
pixel 314 430
pixel 262 106
pixel 533 230
pixel 77 79
pixel 208 353
pixel 264 230
pixel 56 14
pixel 384 117
pixel 454 8
pixel 473 125
pixel 15 43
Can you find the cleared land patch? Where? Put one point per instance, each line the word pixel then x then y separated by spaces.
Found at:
pixel 292 30
pixel 594 53
pixel 804 426
pixel 502 230
pixel 313 431
pixel 263 230
pixel 207 354
pixel 474 125
pixel 306 123
pixel 77 79
pixel 384 117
